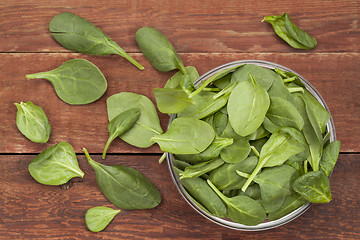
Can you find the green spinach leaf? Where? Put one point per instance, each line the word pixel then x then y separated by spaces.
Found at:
pixel 242 209
pixel 314 187
pixel 125 187
pixel 76 81
pixel 290 203
pixel 79 35
pixel 201 168
pixel 97 218
pixel 175 81
pixel 185 136
pixel 171 101
pixel 246 117
pixel 32 122
pixel 158 50
pixel 290 33
pixel 329 157
pixel 120 124
pixel 55 165
pixel 148 124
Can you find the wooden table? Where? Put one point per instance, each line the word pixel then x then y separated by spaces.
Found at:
pixel 206 34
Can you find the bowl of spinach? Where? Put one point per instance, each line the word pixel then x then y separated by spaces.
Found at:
pixel 263 145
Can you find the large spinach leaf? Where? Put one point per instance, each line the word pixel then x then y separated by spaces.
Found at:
pixel 55 165
pixel 120 124
pixel 125 187
pixel 246 117
pixel 76 81
pixel 290 33
pixel 148 124
pixel 32 121
pixel 185 136
pixel 79 35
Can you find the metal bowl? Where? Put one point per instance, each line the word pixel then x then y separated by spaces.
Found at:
pixel 226 222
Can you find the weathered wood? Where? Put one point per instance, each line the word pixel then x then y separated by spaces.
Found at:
pixel 335 75
pixel 29 210
pixel 192 26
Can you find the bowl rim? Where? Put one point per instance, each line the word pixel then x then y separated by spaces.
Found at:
pixel 224 221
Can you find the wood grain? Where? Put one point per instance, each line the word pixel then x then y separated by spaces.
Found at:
pixel 334 75
pixel 29 210
pixel 192 26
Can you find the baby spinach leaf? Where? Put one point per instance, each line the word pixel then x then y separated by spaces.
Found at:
pixel 180 164
pixel 242 209
pixel 282 144
pixel 76 81
pixel 290 203
pixel 148 124
pixel 283 113
pixel 32 122
pixel 170 100
pixel 289 76
pixel 290 33
pixel 220 122
pixel 213 78
pixel 312 132
pixel 201 168
pixel 185 136
pixel 246 117
pixel 120 124
pixel 275 182
pixel 278 89
pixel 175 81
pixel 226 178
pixel 259 133
pixel 55 165
pixel 329 157
pixel 253 191
pixel 202 193
pixel 222 82
pixel 97 218
pixel 186 84
pixel 125 187
pixel 236 152
pixel 212 151
pixel 314 187
pixel 319 112
pixel 204 105
pixel 79 35
pixel 158 50
pixel 257 144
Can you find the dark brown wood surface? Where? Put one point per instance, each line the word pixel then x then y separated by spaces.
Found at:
pixel 206 34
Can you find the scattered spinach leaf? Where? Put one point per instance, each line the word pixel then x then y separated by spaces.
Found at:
pixel 97 218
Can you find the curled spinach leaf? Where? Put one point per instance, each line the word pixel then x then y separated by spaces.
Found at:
pixel 175 81
pixel 314 187
pixel 97 218
pixel 148 124
pixel 290 33
pixel 76 81
pixel 55 165
pixel 185 136
pixel 120 124
pixel 125 187
pixel 171 101
pixel 32 122
pixel 79 35
pixel 201 168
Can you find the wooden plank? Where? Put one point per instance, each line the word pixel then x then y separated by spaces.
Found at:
pixel 29 210
pixel 335 75
pixel 201 26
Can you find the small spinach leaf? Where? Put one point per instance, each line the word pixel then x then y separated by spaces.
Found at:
pixel 329 157
pixel 242 209
pixel 97 218
pixel 79 35
pixel 185 136
pixel 158 50
pixel 175 81
pixel 290 33
pixel 171 101
pixel 55 165
pixel 76 81
pixel 125 187
pixel 120 124
pixel 314 187
pixel 201 168
pixel 290 203
pixel 32 122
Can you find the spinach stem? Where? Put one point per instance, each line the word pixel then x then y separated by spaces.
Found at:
pixel 107 146
pixel 242 174
pixel 256 152
pixel 295 89
pixel 162 158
